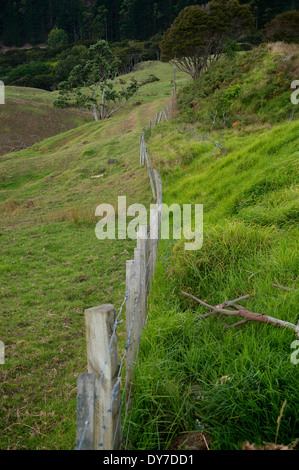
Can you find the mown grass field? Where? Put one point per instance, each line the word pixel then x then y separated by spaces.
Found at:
pixel 200 376
pixel 53 266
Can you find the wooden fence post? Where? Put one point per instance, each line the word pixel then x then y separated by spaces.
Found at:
pixel 159 199
pixel 130 284
pixel 141 149
pixel 151 176
pixel 143 245
pixel 174 78
pixel 85 399
pixel 102 360
pixel 153 240
pixel 137 303
pixel 148 274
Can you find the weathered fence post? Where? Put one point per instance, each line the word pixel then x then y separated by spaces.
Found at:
pixel 141 149
pixel 142 244
pixel 148 268
pixel 174 78
pixel 133 329
pixel 150 173
pixel 102 360
pixel 85 399
pixel 153 239
pixel 159 199
pixel 130 282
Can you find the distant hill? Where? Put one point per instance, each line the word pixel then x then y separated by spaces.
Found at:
pixel 28 117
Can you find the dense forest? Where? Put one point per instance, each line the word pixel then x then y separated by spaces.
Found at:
pixel 30 21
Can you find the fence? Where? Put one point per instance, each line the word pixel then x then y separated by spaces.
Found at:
pixel 101 400
pixel 166 114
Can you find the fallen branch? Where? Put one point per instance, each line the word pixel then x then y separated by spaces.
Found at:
pixel 238 323
pixel 243 313
pixel 279 286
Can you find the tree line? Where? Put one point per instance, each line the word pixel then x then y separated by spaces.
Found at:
pixel 30 21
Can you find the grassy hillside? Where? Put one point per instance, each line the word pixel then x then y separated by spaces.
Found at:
pixel 193 375
pixel 251 88
pixel 205 375
pixel 53 266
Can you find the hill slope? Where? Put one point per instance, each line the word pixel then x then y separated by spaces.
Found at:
pixel 53 266
pixel 28 117
pixel 204 375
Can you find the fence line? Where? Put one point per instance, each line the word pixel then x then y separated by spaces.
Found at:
pixel 99 398
pixel 166 114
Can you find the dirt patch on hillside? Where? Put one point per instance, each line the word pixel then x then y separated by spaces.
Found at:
pixel 191 441
pixel 24 123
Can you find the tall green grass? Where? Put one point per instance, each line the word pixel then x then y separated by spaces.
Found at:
pixel 203 374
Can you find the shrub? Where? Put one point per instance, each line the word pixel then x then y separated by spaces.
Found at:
pixel 223 100
pixel 45 82
pixel 284 27
pixel 28 70
pixel 57 37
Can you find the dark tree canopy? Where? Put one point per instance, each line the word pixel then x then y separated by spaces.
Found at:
pixel 284 27
pixel 31 21
pixel 200 35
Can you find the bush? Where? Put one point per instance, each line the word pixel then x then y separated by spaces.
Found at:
pixel 57 37
pixel 28 70
pixel 284 27
pixel 223 100
pixel 45 82
pixel 64 68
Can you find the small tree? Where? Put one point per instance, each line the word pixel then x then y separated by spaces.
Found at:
pixel 201 34
pixel 92 85
pixel 57 37
pixel 222 101
pixel 284 27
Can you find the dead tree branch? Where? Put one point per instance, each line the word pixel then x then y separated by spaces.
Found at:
pixel 242 312
pixel 279 286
